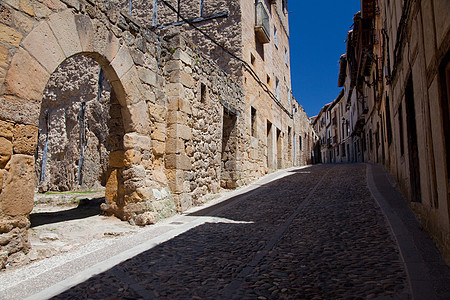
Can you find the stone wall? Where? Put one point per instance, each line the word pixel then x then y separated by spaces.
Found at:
pixel 200 96
pixel 227 31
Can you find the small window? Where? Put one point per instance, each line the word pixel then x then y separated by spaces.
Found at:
pixel 275 36
pixel 252 59
pixel 289 96
pixel 253 120
pixel 300 143
pixel 277 88
pixel 203 92
pixel 286 59
pixel 268 80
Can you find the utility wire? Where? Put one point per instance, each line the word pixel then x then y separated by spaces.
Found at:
pixel 246 65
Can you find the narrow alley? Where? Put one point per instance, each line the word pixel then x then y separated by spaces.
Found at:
pixel 321 232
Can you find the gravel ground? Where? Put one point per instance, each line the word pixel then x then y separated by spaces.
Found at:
pixel 316 234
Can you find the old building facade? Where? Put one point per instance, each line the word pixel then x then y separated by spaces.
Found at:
pixel 395 79
pixel 164 118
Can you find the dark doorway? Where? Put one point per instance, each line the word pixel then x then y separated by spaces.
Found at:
pixel 279 150
pixel 269 146
pixel 229 146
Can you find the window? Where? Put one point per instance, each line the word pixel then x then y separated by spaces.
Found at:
pixel 277 88
pixel 286 60
pixel 202 92
pixel 289 96
pixel 275 36
pixel 300 142
pixel 252 59
pixel 268 80
pixel 253 121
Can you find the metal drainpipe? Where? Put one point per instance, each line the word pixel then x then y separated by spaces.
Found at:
pixel 45 152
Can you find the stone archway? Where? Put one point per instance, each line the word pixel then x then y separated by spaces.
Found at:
pixel 52 41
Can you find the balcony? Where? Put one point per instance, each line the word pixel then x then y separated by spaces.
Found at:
pixel 262 26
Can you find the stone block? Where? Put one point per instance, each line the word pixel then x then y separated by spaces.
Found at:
pixel 157 113
pixel 123 62
pixel 187 80
pixel 160 176
pixel 5 151
pixel 17 195
pixel 116 159
pixel 134 90
pixel 26 78
pixel 175 146
pixel 6 129
pixel 159 148
pixel 134 140
pixel 112 186
pixel 146 218
pixel 172 102
pixel 181 131
pixel 185 105
pixel 23 22
pixel 159 133
pixel 27 7
pixel 147 76
pixel 64 28
pixel 25 139
pixel 177 117
pixel 48 53
pixel 175 179
pixel 5 15
pixel 135 118
pixel 17 110
pixel 184 202
pixel 173 65
pixel 174 89
pixel 178 161
pixel 9 35
pixel 183 56
pixel 40 10
pixel 85 32
pixel 132 157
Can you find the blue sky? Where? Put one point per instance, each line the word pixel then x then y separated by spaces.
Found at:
pixel 318 30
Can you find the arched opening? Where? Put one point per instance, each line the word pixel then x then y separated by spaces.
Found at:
pixel 80 125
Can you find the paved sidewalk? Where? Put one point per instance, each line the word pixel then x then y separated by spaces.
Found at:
pixel 322 232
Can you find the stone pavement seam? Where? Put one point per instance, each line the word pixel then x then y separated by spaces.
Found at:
pixel 229 291
pixel 418 277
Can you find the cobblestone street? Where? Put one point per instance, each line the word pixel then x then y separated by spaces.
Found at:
pixel 316 233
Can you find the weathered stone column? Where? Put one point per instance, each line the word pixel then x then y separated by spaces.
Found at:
pixel 177 162
pixel 17 146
